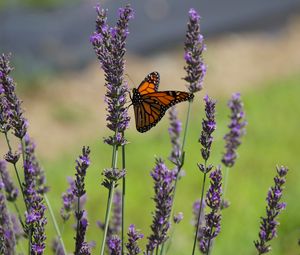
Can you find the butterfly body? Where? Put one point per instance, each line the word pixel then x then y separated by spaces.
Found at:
pixel 150 105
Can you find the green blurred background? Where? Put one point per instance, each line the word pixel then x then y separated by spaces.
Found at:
pixel 65 108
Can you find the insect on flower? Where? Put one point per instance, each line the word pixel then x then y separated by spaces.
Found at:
pixel 150 105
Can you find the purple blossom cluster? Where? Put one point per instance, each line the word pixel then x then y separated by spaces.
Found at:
pixel 163 187
pixel 237 130
pixel 39 173
pixel 194 47
pixel 10 105
pixel 109 45
pixel 68 200
pixel 7 236
pixel 196 211
pixel 268 224
pixel 212 225
pixel 9 187
pixel 133 237
pixel 174 132
pixel 114 245
pixel 57 248
pixel 82 164
pixel 115 225
pixel 208 127
pixel 35 215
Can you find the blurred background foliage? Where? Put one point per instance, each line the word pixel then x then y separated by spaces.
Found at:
pixel 254 50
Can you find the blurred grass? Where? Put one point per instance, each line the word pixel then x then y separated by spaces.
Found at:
pixel 272 138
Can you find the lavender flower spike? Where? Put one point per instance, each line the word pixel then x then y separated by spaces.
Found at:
pixel 194 47
pixel 68 199
pixel 115 226
pixel 10 189
pixel 196 208
pixel 212 225
pixel 109 45
pixel 11 103
pixel 174 132
pixel 35 215
pixel 208 127
pixel 82 164
pixel 39 173
pixel 114 245
pixel 7 237
pixel 237 130
pixel 274 207
pixel 133 237
pixel 163 188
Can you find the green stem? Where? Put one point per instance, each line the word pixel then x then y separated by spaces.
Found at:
pixel 107 213
pixel 123 197
pixel 16 170
pixel 186 126
pixel 110 196
pixel 30 230
pixel 156 251
pixel 55 224
pixel 199 213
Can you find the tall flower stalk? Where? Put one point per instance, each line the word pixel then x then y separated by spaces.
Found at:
pixel 11 114
pixel 237 129
pixel 7 236
pixel 109 45
pixel 206 139
pixel 163 188
pixel 195 72
pixel 12 118
pixel 269 223
pixel 82 164
pixel 212 226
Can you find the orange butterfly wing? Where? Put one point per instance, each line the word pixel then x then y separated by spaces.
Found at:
pixel 149 84
pixel 151 105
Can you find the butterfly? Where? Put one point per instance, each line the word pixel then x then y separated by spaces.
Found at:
pixel 150 105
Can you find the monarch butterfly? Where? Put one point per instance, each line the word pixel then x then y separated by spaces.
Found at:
pixel 150 105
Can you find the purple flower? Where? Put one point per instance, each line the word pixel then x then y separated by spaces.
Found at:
pixel 174 132
pixel 7 237
pixel 196 209
pixel 237 130
pixel 12 157
pixel 115 226
pixel 208 127
pixel 10 104
pixel 57 248
pixel 68 198
pixel 18 231
pixel 194 48
pixel 35 215
pixel 133 237
pixel 112 175
pixel 114 245
pixel 10 189
pixel 80 244
pixel 78 190
pixel 178 218
pixel 82 163
pixel 212 225
pixel 163 189
pixel 109 45
pixel 38 172
pixel 268 224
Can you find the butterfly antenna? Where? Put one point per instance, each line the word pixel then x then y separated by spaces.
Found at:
pixel 130 79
